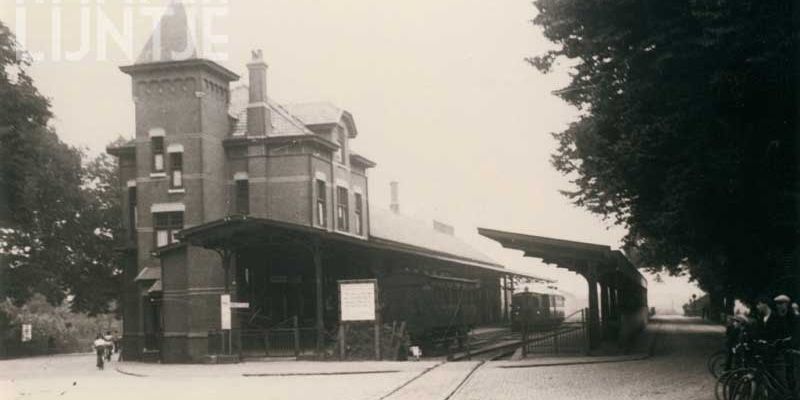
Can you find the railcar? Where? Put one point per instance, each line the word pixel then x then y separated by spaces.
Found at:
pixel 438 311
pixel 538 309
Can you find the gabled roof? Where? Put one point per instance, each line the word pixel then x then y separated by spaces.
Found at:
pixel 323 113
pixel 283 122
pixel 393 227
pixel 171 40
pixel 316 113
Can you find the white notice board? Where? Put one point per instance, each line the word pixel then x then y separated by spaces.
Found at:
pixel 27 332
pixel 357 299
pixel 225 311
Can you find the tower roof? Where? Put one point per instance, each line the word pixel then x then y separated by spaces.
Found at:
pixel 172 38
pixel 172 46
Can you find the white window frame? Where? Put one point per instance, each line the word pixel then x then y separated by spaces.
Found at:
pixel 343 209
pixel 175 175
pixel 165 235
pixel 157 165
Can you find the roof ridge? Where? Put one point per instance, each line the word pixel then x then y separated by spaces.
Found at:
pixel 462 249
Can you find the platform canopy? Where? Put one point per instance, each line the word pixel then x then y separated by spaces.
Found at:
pixel 238 231
pixel 577 257
pixel 619 307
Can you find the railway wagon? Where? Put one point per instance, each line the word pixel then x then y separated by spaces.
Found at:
pixel 540 310
pixel 437 310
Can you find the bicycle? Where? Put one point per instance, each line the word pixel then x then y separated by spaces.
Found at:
pixel 755 379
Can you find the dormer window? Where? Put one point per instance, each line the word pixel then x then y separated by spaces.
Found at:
pixel 340 153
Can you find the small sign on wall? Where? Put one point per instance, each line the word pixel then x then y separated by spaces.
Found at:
pixel 225 311
pixel 357 300
pixel 27 332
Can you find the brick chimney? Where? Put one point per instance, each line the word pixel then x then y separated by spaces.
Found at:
pixel 259 121
pixel 395 205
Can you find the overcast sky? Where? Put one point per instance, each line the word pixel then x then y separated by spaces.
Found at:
pixel 441 95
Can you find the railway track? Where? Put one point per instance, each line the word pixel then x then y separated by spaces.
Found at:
pixel 443 381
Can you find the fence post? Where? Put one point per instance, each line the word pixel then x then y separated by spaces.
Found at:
pixel 266 341
pixel 342 341
pixel 555 342
pixel 586 334
pixel 296 336
pixel 448 342
pixel 469 353
pixel 524 338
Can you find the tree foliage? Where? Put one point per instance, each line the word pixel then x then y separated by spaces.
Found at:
pixel 688 135
pixel 22 110
pixel 55 328
pixel 58 217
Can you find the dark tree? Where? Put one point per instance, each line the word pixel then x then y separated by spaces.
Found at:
pixel 57 217
pixel 688 136
pixel 23 111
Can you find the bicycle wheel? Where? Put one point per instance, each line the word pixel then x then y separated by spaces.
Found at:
pixel 716 363
pixel 743 388
pixel 720 388
pixel 726 381
pixel 754 386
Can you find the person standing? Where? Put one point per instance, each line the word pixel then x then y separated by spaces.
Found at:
pixel 765 322
pixel 785 324
pixel 100 346
pixel 109 344
pixel 115 341
pixel 796 334
pixel 733 336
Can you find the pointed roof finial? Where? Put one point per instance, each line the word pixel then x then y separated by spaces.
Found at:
pixel 172 38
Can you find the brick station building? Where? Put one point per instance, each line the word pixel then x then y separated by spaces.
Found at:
pixel 227 191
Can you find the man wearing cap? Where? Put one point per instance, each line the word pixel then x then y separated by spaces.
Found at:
pixel 785 324
pixel 767 327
